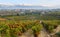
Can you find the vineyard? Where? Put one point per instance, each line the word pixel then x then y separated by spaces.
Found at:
pixel 30 24
pixel 16 28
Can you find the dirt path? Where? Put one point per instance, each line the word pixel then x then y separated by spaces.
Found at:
pixel 56 30
pixel 43 33
pixel 27 34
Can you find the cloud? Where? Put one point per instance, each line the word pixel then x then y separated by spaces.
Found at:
pixel 27 4
pixel 47 5
pixel 8 4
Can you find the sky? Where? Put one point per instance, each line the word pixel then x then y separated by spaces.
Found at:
pixel 49 3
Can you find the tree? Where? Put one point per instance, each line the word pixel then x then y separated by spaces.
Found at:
pixel 17 14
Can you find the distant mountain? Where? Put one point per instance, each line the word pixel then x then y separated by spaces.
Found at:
pixel 21 7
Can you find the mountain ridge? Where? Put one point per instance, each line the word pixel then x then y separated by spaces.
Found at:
pixel 21 7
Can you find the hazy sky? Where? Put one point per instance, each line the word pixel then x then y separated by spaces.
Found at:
pixel 32 2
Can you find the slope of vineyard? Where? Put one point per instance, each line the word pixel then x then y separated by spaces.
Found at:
pixel 27 28
pixel 30 25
